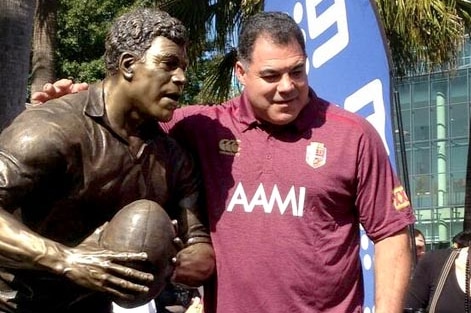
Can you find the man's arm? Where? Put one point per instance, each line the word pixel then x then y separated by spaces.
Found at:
pixel 392 272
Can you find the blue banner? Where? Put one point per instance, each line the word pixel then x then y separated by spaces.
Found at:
pixel 348 64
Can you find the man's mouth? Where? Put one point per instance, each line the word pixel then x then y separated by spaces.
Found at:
pixel 173 96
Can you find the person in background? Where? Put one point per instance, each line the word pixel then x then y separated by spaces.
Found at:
pixel 420 245
pixel 461 239
pixel 66 167
pixel 424 293
pixel 426 278
pixel 289 178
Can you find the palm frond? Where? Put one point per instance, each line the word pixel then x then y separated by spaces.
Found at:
pixel 195 16
pixel 219 85
pixel 422 34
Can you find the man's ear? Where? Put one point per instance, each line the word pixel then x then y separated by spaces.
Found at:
pixel 240 72
pixel 126 64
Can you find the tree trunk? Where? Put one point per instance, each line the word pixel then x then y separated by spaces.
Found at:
pixel 16 23
pixel 44 33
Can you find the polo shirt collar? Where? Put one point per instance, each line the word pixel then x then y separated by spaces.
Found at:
pixel 301 123
pixel 246 114
pixel 95 106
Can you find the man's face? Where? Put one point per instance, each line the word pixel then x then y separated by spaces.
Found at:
pixel 275 81
pixel 158 79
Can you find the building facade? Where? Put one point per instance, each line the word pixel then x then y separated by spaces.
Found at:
pixel 435 114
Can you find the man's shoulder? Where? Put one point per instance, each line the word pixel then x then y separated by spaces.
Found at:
pixel 336 111
pixel 208 110
pixel 342 120
pixel 201 117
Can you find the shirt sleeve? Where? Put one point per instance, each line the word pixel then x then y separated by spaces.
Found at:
pixel 187 187
pixel 383 204
pixel 31 153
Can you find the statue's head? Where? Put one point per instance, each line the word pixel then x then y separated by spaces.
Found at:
pixel 135 31
pixel 146 58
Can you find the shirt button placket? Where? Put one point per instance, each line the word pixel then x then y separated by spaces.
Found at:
pixel 268 168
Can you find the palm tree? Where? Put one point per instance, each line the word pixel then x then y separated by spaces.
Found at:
pixel 425 34
pixel 44 34
pixel 15 39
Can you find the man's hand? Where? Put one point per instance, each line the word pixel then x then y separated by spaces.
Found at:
pixel 196 306
pixel 194 265
pixel 103 270
pixel 57 89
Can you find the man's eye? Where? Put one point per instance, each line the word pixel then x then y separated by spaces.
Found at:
pixel 271 77
pixel 297 73
pixel 171 64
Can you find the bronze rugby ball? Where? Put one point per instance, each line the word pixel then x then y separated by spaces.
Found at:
pixel 143 226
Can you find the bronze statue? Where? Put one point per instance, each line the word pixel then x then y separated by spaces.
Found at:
pixel 143 226
pixel 67 167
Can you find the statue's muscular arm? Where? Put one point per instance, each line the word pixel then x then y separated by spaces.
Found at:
pixel 28 152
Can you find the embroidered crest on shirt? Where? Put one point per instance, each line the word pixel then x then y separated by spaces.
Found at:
pixel 316 154
pixel 400 199
pixel 229 146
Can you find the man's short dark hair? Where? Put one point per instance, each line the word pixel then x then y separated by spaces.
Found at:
pixel 462 239
pixel 134 32
pixel 277 26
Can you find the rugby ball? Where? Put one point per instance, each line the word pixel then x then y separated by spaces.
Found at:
pixel 143 226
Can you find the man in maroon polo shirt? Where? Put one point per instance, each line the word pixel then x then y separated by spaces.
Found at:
pixel 289 178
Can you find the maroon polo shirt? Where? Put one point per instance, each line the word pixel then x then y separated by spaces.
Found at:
pixel 285 204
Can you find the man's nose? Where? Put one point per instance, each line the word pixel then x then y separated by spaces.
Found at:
pixel 286 83
pixel 179 76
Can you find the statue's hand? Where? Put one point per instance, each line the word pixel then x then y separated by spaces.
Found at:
pixel 57 89
pixel 194 265
pixel 104 270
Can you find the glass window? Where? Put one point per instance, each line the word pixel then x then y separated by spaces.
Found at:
pixel 458 123
pixel 420 94
pixel 464 57
pixel 459 88
pixel 421 196
pixel 457 188
pixel 406 119
pixel 404 96
pixel 458 155
pixel 421 124
pixel 421 159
